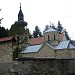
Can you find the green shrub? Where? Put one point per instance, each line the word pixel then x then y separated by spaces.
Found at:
pixel 1 73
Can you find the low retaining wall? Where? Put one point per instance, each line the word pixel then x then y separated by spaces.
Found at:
pixel 39 67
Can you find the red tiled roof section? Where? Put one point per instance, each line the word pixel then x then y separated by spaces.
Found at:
pixel 6 39
pixel 38 40
pixel 61 37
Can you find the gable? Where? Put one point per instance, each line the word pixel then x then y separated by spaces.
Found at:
pixel 46 51
pixel 39 51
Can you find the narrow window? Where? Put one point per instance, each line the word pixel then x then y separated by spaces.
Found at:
pixel 48 37
pixel 54 36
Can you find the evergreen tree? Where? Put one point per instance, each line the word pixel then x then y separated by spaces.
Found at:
pixel 46 27
pixel 16 29
pixel 37 32
pixel 59 27
pixel 40 34
pixel 3 32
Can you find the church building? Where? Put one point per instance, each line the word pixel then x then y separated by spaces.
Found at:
pixel 51 45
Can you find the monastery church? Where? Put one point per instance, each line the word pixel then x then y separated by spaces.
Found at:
pixel 46 55
pixel 51 45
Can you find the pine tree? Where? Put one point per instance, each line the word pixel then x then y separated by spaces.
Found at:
pixel 46 27
pixel 16 29
pixel 37 32
pixel 3 32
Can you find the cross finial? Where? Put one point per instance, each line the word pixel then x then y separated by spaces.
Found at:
pixel 50 23
pixel 20 5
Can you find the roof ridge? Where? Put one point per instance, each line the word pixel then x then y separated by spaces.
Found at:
pixel 68 43
pixel 50 45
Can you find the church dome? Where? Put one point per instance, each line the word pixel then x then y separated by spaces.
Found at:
pixel 51 30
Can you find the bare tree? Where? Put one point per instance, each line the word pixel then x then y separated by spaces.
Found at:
pixel 1 18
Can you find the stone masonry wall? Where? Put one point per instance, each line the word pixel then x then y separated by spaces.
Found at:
pixel 33 67
pixel 39 67
pixel 5 53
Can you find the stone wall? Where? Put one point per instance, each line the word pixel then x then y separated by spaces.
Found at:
pixel 5 53
pixel 34 66
pixel 65 53
pixel 39 67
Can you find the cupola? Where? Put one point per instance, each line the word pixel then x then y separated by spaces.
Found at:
pixel 52 36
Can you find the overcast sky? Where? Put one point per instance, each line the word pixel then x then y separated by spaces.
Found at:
pixel 40 12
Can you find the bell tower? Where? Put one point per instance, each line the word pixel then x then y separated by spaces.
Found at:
pixel 21 18
pixel 20 15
